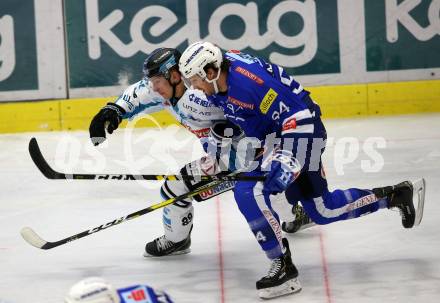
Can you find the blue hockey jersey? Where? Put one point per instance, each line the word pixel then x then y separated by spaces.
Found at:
pixel 263 99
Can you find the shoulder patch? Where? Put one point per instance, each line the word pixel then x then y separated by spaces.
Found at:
pixel 289 124
pixel 249 75
pixel 268 100
pixel 240 103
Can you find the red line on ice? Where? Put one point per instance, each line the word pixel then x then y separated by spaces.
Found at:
pixel 220 250
pixel 325 267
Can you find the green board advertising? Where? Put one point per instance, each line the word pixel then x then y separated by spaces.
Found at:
pixel 90 48
pixel 398 32
pixel 18 54
pixel 108 40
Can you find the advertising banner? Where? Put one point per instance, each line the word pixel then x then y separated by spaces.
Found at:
pixel 92 48
pixel 32 52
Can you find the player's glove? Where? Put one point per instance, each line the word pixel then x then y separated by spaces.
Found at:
pixel 108 118
pixel 283 169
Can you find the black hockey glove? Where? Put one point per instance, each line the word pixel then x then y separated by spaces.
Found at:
pixel 108 118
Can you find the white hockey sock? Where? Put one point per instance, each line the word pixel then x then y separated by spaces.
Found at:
pixel 177 222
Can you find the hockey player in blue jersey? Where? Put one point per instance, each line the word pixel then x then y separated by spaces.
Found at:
pixel 98 290
pixel 162 88
pixel 265 102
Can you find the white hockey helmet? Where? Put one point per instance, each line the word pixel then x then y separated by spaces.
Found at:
pixel 197 56
pixel 92 290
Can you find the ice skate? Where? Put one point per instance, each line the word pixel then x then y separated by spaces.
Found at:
pixel 161 247
pixel 302 221
pixel 401 196
pixel 282 278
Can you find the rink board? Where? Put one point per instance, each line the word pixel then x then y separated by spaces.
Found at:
pixel 336 102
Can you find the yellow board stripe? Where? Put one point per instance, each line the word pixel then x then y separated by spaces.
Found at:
pixel 336 102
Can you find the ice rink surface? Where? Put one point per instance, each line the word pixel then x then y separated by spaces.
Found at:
pixel 371 259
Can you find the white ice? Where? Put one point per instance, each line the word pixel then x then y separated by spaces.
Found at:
pixel 371 259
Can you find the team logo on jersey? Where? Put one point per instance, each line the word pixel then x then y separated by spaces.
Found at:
pixel 289 124
pixel 249 75
pixel 240 103
pixel 268 100
pixel 200 133
pixel 139 295
pixel 200 101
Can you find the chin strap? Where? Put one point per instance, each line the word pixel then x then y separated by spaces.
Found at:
pixel 215 87
pixel 214 81
pixel 173 99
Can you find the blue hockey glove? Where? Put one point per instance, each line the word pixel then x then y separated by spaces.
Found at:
pixel 283 170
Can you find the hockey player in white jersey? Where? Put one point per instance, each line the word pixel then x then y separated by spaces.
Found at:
pixel 163 88
pixel 263 100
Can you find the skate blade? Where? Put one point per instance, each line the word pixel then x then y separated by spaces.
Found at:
pixel 419 188
pixel 288 287
pixel 180 252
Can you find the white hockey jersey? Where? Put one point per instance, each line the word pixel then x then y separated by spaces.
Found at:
pixel 193 110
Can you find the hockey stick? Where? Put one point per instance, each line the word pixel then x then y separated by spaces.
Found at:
pixel 31 237
pixel 50 173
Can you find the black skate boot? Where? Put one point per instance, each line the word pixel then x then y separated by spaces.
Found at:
pixel 161 247
pixel 302 221
pixel 400 196
pixel 282 278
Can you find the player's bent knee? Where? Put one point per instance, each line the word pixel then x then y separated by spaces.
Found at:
pixel 320 217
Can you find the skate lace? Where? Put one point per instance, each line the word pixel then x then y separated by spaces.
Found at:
pixel 163 243
pixel 275 267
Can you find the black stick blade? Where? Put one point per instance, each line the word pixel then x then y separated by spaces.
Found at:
pixel 40 162
pixel 48 172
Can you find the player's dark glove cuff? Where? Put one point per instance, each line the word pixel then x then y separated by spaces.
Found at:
pixel 108 118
